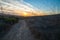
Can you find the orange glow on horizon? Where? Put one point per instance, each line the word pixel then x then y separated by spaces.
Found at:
pixel 26 14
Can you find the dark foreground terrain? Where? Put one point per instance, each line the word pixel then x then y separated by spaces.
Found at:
pixel 31 28
pixel 6 22
pixel 45 27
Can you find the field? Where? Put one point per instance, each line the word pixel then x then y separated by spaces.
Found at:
pixel 41 27
pixel 45 27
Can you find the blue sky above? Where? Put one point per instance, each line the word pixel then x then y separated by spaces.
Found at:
pixel 45 5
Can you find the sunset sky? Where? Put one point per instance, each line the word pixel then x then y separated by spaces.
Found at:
pixel 45 5
pixel 36 6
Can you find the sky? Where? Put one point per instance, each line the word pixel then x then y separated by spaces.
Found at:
pixel 46 5
pixel 36 6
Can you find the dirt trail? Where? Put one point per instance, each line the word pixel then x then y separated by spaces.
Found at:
pixel 20 31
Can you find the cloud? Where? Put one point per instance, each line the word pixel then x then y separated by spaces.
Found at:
pixel 19 5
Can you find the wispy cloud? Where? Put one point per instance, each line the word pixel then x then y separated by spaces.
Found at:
pixel 20 5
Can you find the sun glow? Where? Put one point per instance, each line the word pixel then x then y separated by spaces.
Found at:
pixel 25 14
pixel 20 8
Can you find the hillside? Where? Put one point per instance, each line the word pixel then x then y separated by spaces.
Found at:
pixel 41 27
pixel 45 27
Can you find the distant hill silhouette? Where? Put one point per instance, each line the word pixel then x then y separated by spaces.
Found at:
pixel 45 27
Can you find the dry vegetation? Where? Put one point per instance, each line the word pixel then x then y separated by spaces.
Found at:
pixel 6 23
pixel 45 27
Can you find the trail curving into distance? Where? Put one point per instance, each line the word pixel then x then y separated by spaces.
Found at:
pixel 19 31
